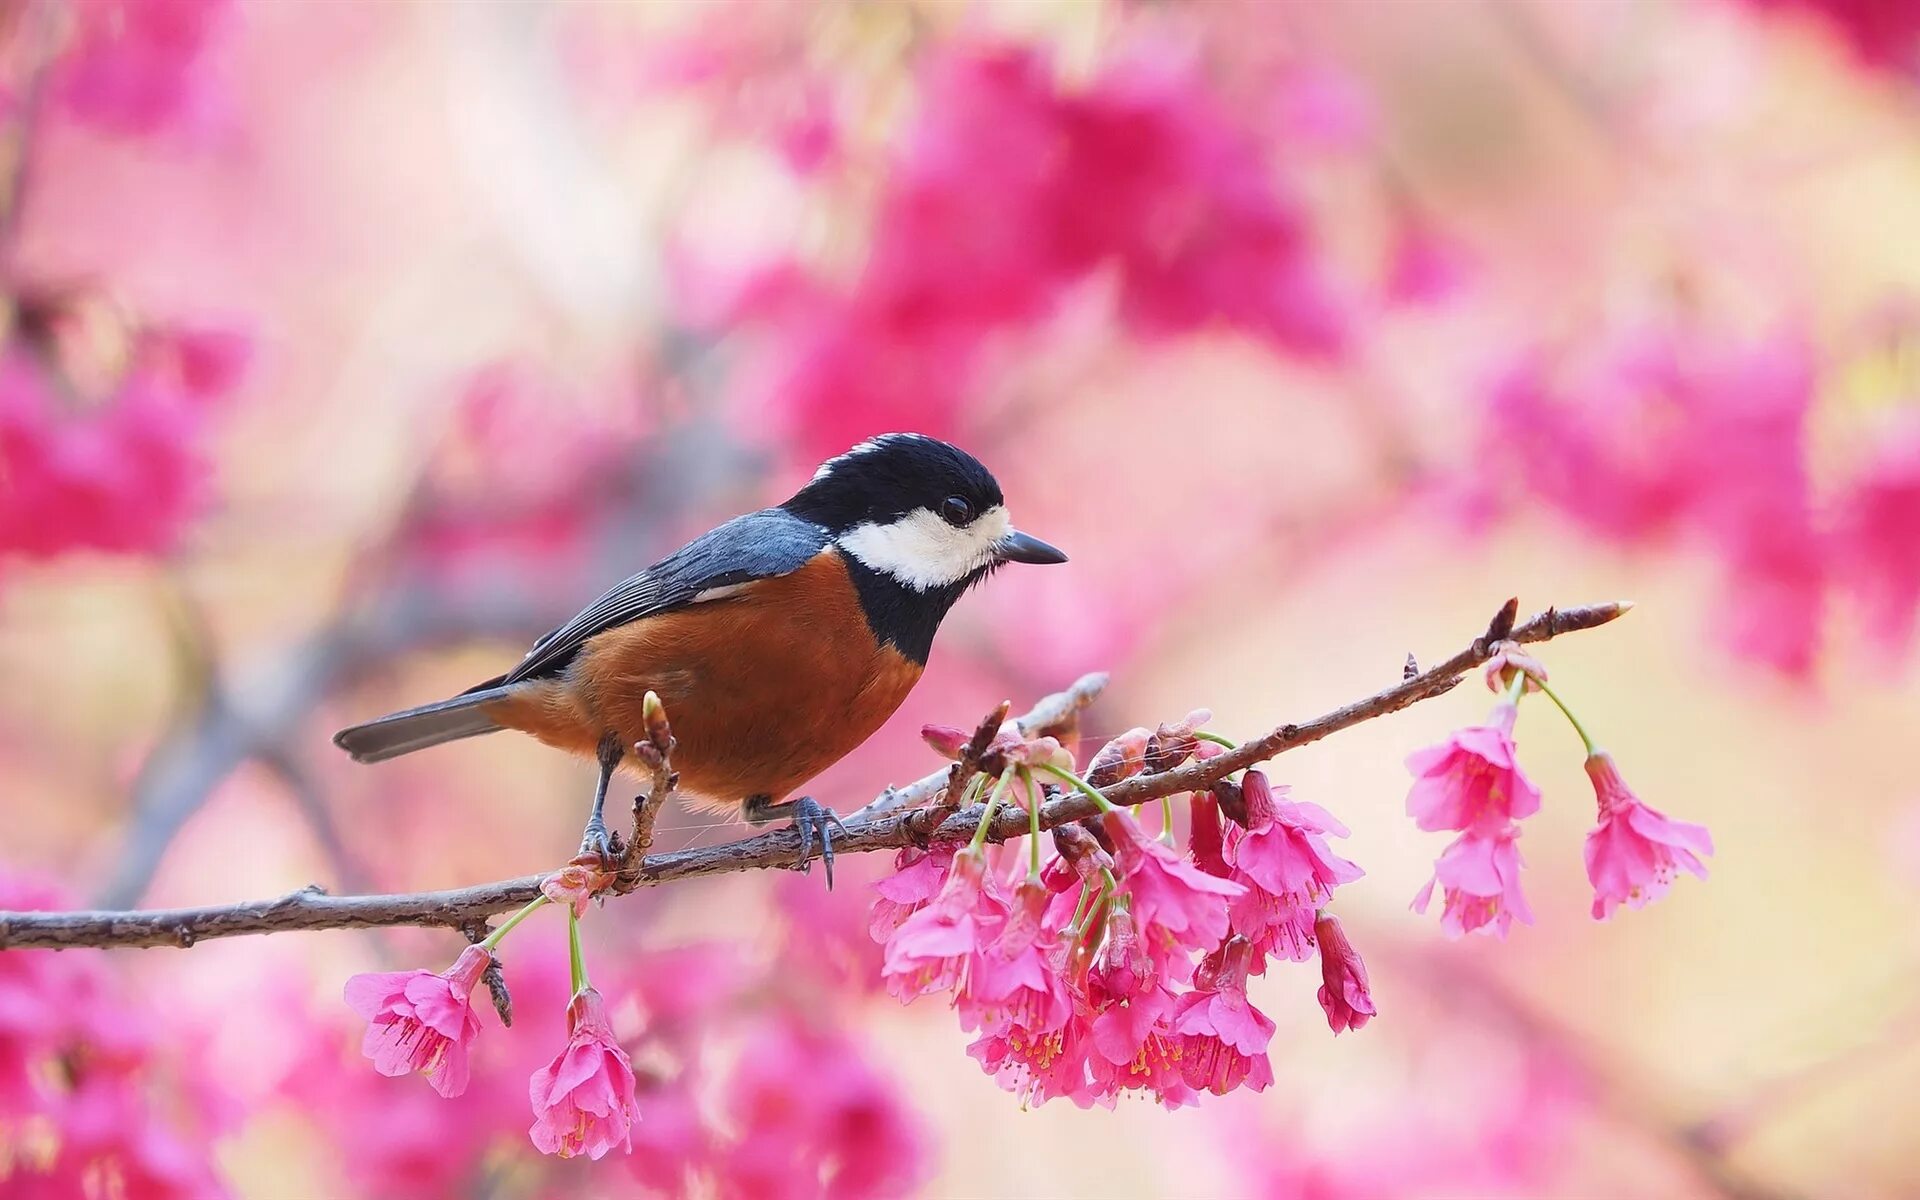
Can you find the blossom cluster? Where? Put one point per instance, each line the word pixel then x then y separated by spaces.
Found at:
pixel 808 1115
pixel 79 1113
pixel 1662 432
pixel 121 475
pixel 1111 962
pixel 1011 187
pixel 1473 784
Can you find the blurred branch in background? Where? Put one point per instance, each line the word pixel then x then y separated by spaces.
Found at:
pixel 311 908
pixel 262 715
pixel 1624 1096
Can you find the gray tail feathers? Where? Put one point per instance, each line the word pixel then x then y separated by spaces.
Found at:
pixel 418 728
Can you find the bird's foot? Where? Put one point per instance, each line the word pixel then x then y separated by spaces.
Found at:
pixel 814 820
pixel 597 843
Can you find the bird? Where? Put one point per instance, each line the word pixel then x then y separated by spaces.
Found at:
pixel 778 641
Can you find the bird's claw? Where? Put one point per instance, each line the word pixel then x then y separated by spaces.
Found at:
pixel 811 819
pixel 598 843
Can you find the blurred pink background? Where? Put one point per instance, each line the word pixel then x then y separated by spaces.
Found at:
pixel 351 345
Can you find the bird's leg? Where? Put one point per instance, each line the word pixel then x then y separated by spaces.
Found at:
pixel 811 818
pixel 594 839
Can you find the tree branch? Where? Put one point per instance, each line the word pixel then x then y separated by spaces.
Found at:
pixel 312 908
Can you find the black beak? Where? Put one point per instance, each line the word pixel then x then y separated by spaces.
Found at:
pixel 1018 547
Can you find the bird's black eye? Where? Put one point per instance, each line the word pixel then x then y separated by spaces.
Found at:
pixel 956 511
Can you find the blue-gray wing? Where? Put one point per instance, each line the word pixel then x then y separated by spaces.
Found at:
pixel 759 545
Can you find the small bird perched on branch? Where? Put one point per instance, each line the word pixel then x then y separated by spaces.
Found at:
pixel 778 641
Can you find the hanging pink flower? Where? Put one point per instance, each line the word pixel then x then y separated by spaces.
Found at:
pixel 1223 1038
pixel 1041 1067
pixel 1286 868
pixel 930 950
pixel 1635 852
pixel 420 1021
pixel 917 878
pixel 1472 780
pixel 1206 837
pixel 583 1100
pixel 1136 1048
pixel 1016 980
pixel 1126 969
pixel 1343 989
pixel 1175 903
pixel 1479 876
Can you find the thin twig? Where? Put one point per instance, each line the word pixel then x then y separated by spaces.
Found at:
pixel 1053 716
pixel 312 908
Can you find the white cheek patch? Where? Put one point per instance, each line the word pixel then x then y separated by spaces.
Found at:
pixel 922 551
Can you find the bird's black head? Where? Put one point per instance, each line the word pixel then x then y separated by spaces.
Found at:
pixel 919 521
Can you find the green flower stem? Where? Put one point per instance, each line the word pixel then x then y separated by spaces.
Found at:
pixel 1086 788
pixel 1216 739
pixel 993 802
pixel 1106 890
pixel 506 927
pixel 1572 720
pixel 1080 909
pixel 1166 820
pixel 577 961
pixel 1518 687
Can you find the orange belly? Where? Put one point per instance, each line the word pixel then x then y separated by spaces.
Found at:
pixel 765 689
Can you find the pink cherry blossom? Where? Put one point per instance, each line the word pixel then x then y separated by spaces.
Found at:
pixel 421 1021
pixel 1016 981
pixel 1286 868
pixel 1041 1067
pixel 1126 968
pixel 916 878
pixel 931 949
pixel 1635 853
pixel 1223 1038
pixel 1472 780
pixel 1343 989
pixel 1136 1048
pixel 1479 877
pixel 583 1101
pixel 1175 903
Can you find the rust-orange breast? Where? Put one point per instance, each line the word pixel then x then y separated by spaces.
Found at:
pixel 766 688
